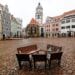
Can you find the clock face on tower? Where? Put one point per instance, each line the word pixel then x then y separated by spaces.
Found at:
pixel 39 10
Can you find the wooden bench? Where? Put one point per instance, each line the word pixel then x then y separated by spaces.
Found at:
pixel 23 57
pixel 54 48
pixel 55 56
pixel 27 49
pixel 39 58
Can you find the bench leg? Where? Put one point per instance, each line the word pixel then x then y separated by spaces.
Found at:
pixel 34 66
pixel 45 64
pixel 59 61
pixel 49 64
pixel 30 63
pixel 19 62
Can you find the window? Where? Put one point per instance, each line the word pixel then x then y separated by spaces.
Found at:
pixel 53 24
pixel 62 27
pixel 49 34
pixel 73 26
pixel 67 27
pixel 55 34
pixel 48 25
pixel 31 30
pixel 38 16
pixel 7 29
pixel 73 20
pixel 57 29
pixel 42 30
pixel 56 24
pixel 53 29
pixel 68 20
pixel 35 30
pixel 0 11
pixel 63 22
pixel 47 29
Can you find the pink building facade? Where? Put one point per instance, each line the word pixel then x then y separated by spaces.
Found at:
pixel 52 26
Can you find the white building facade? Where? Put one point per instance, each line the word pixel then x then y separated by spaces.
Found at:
pixel 19 27
pixel 68 23
pixel 16 27
pixel 5 23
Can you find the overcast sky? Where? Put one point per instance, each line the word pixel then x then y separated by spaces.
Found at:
pixel 25 9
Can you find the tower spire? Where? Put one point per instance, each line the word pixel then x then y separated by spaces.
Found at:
pixel 39 3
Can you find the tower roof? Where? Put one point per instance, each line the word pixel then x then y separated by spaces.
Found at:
pixel 39 6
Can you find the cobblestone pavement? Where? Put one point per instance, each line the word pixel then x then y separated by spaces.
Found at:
pixel 9 65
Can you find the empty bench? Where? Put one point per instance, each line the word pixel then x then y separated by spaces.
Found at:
pixel 55 56
pixel 23 57
pixel 27 49
pixel 54 48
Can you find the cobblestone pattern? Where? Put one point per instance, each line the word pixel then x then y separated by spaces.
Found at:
pixel 9 65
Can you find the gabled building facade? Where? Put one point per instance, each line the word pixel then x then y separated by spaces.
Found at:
pixel 16 27
pixel 32 29
pixel 19 27
pixel 5 23
pixel 13 26
pixel 52 26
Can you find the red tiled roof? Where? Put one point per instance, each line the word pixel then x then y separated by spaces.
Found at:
pixel 69 12
pixel 33 22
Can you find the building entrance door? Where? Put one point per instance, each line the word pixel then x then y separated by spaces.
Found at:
pixel 69 33
pixel 42 32
pixel 3 36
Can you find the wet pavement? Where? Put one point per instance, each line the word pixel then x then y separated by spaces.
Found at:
pixel 9 65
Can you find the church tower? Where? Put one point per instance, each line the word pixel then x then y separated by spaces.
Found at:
pixel 39 19
pixel 39 14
